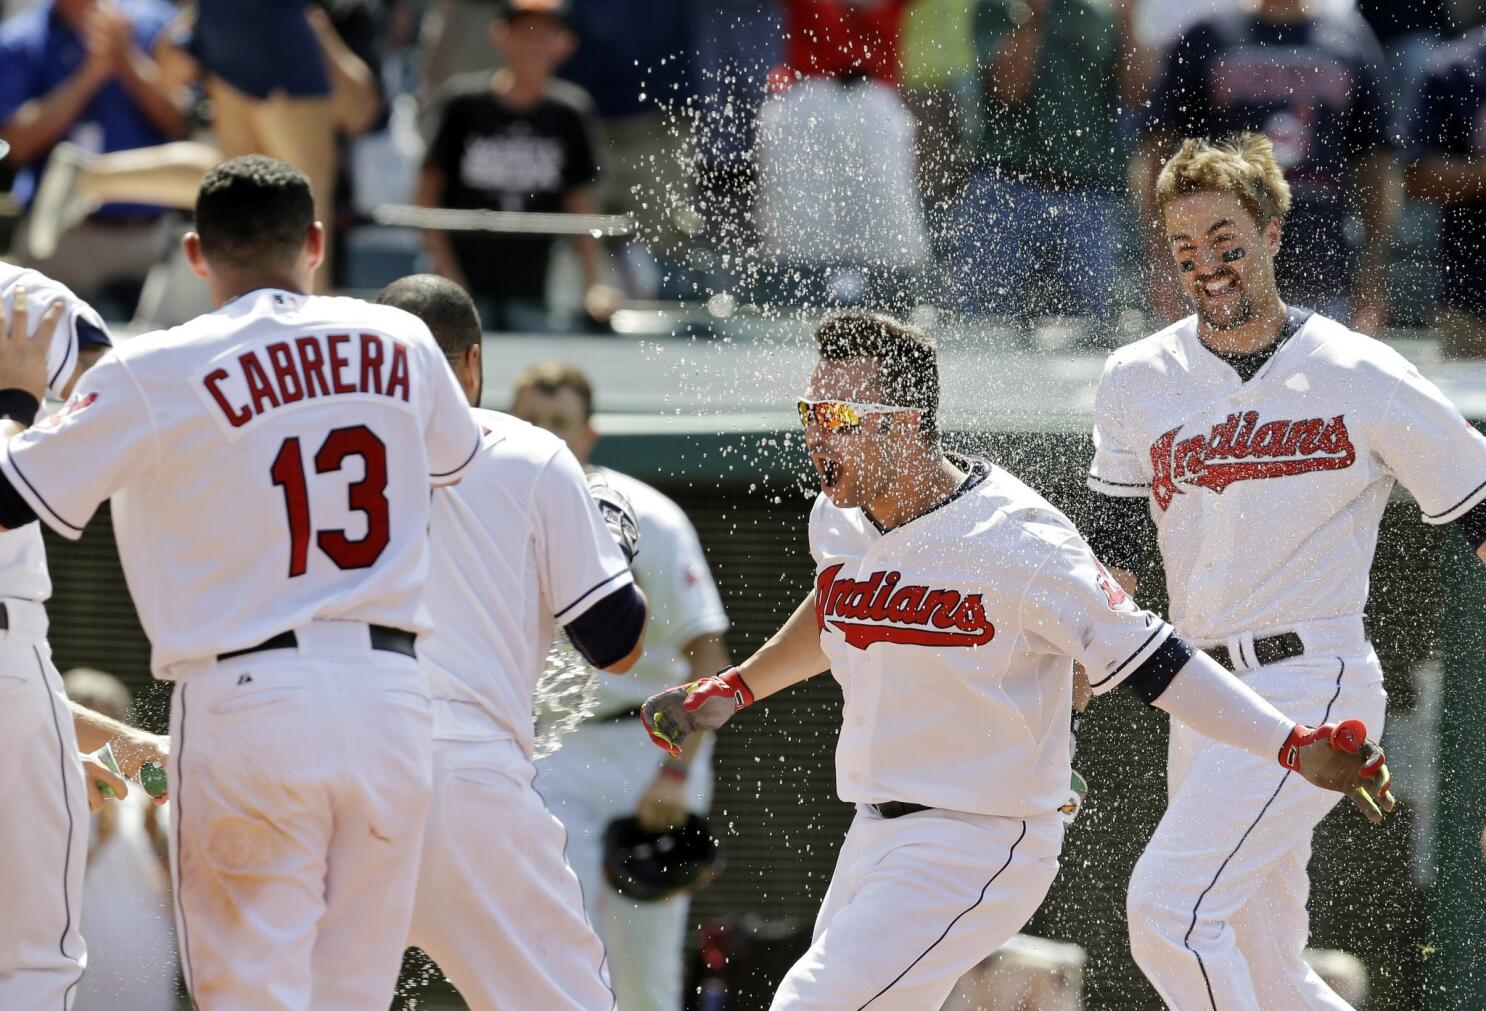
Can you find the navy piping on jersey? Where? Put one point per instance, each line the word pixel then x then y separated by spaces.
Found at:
pixel 1473 492
pixel 977 471
pixel 177 793
pixel 478 440
pixel 40 498
pixel 1118 484
pixel 66 357
pixel 588 592
pixel 1186 940
pixel 67 800
pixel 1126 662
pixel 981 898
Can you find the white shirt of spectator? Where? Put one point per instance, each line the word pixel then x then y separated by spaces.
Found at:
pixel 23 571
pixel 953 637
pixel 269 464
pixel 1267 495
pixel 517 546
pixel 684 602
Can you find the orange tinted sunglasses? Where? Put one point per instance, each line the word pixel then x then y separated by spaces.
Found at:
pixel 842 415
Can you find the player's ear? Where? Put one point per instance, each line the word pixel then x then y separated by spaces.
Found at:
pixel 314 246
pixel 1272 236
pixel 195 258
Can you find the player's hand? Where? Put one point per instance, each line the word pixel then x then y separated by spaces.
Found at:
pixel 139 749
pixel 1341 757
pixel 103 783
pixel 618 512
pixel 663 804
pixel 673 716
pixel 1082 690
pixel 22 353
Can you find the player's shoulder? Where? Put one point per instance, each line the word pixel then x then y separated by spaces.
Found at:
pixel 513 441
pixel 651 504
pixel 37 284
pixel 1153 355
pixel 344 310
pixel 1355 355
pixel 1020 512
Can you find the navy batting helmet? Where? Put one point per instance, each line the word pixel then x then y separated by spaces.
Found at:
pixel 650 866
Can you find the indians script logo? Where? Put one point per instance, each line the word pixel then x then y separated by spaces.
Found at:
pixel 1241 449
pixel 877 609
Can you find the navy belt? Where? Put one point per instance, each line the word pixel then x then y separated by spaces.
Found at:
pixel 388 640
pixel 1268 650
pixel 897 809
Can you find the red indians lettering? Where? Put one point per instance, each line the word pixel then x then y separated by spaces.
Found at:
pixel 1241 449
pixel 877 609
pixel 304 368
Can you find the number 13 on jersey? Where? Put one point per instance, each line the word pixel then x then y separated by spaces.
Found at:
pixel 367 496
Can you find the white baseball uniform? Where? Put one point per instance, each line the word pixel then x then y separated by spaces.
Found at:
pixel 517 547
pixel 1266 496
pixel 599 774
pixel 953 637
pixel 46 830
pixel 269 467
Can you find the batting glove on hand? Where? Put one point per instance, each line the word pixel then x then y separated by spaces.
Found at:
pixel 1340 757
pixel 618 512
pixel 674 715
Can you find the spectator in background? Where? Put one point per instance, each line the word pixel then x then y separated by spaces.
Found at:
pixel 1027 973
pixel 1313 82
pixel 1447 149
pixel 1409 31
pixel 1039 229
pixel 517 140
pixel 453 40
pixel 634 58
pixel 598 774
pixel 132 964
pixel 838 207
pixel 938 70
pixel 80 70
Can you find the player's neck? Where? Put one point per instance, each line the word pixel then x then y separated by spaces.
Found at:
pixel 227 286
pixel 518 91
pixel 1257 334
pixel 925 483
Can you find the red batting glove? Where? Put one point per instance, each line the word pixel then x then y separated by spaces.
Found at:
pixel 1340 757
pixel 674 715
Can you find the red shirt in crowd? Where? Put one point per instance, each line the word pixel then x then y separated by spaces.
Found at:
pixel 832 38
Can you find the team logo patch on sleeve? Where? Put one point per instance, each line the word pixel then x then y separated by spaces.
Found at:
pixel 877 609
pixel 75 404
pixel 1241 449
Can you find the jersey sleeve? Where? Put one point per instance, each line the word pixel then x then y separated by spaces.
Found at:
pixel 1118 469
pixel 102 440
pixel 579 561
pixel 449 430
pixel 1431 449
pixel 1073 607
pixel 675 572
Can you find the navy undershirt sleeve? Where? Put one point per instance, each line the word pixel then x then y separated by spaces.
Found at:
pixel 14 510
pixel 1472 524
pixel 607 632
pixel 1150 679
pixel 1119 530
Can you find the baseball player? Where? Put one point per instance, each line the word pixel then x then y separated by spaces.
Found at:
pixel 950 602
pixel 1264 441
pixel 597 775
pixel 42 954
pixel 517 547
pixel 269 466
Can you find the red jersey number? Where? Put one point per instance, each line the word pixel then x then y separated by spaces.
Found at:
pixel 367 496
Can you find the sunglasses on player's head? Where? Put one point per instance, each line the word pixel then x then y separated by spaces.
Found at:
pixel 842 415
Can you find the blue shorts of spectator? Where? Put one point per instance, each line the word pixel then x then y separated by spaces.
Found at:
pixel 260 47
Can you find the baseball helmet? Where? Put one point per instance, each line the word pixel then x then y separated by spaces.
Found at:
pixel 651 866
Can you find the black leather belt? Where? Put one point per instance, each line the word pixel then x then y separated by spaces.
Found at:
pixel 388 640
pixel 1268 650
pixel 897 809
pixel 4 618
pixel 632 713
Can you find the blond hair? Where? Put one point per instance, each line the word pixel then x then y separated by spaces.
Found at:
pixel 1242 165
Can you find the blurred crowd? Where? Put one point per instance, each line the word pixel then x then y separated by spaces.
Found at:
pixel 991 158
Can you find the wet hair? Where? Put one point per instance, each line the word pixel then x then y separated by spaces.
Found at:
pixel 441 303
pixel 1242 165
pixel 907 359
pixel 254 212
pixel 551 376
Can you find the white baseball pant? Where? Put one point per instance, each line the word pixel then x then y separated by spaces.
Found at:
pixel 916 902
pixel 300 780
pixel 596 776
pixel 498 908
pixel 1216 905
pixel 44 834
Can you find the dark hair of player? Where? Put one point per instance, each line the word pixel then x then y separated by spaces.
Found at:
pixel 254 212
pixel 442 304
pixel 550 376
pixel 907 360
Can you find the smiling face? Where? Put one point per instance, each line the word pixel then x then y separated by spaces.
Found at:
pixel 857 466
pixel 1224 259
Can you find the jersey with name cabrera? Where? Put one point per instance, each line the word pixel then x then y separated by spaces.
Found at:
pixel 953 637
pixel 23 571
pixel 1267 494
pixel 269 464
pixel 517 546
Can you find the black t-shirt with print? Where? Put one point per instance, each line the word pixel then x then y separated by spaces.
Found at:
pixel 494 157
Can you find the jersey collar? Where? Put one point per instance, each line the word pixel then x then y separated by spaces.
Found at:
pixel 976 471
